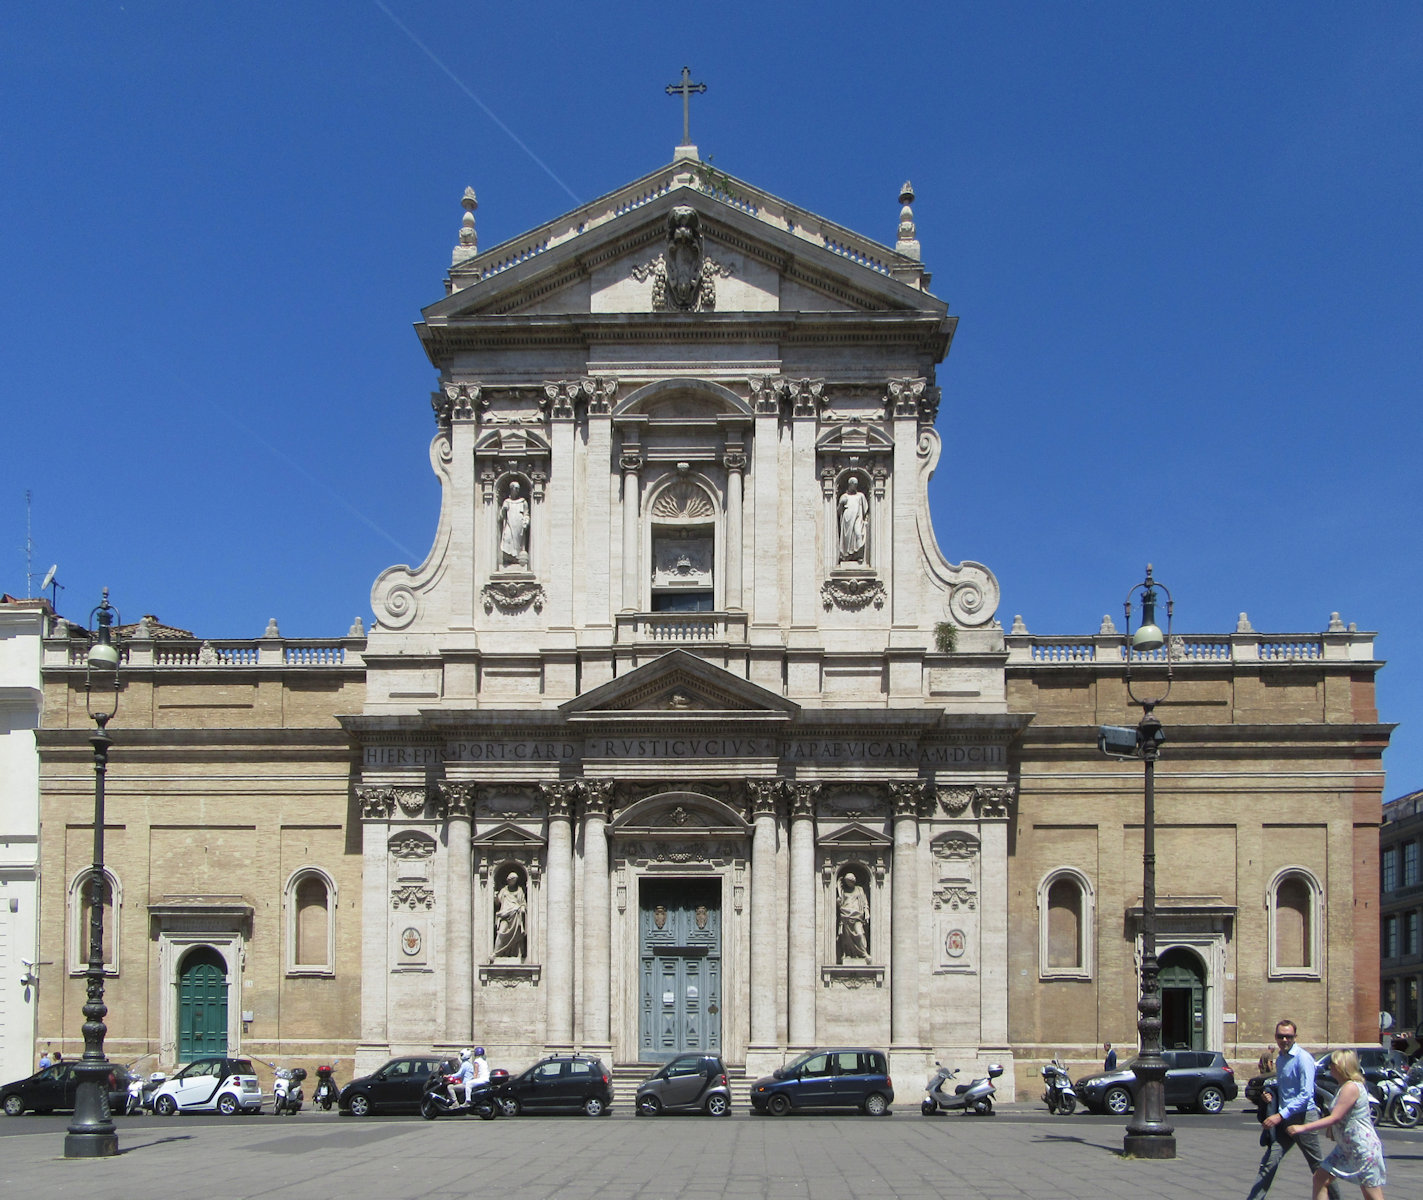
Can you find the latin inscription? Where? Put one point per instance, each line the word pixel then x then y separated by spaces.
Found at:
pixel 402 756
pixel 512 751
pixel 790 749
pixel 680 747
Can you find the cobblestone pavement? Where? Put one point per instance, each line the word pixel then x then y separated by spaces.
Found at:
pixel 1020 1152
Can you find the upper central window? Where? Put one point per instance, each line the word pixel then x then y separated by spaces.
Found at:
pixel 683 549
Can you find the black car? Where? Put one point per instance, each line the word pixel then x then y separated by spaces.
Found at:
pixel 838 1078
pixel 689 1083
pixel 560 1083
pixel 1199 1079
pixel 396 1087
pixel 54 1087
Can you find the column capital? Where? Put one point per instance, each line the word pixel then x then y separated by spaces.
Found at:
pixel 455 798
pixel 994 803
pixel 803 797
pixel 377 803
pixel 560 797
pixel 907 798
pixel 734 461
pixel 596 796
pixel 766 796
pixel 630 461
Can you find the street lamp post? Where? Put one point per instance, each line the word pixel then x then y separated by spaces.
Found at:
pixel 1148 1135
pixel 91 1133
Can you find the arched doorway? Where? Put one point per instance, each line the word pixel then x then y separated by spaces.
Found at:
pixel 202 1004
pixel 1183 1001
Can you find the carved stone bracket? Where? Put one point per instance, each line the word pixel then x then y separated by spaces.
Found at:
pixel 377 803
pixel 513 595
pixel 411 799
pixel 954 801
pixel 510 975
pixel 852 976
pixel 852 593
pixel 413 896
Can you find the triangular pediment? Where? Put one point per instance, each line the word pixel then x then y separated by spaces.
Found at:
pixel 507 836
pixel 680 686
pixel 855 836
pixel 764 254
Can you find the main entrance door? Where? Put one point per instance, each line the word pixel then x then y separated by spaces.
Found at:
pixel 202 1005
pixel 1183 1001
pixel 680 944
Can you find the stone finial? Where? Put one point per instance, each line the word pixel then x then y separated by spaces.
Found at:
pixel 1108 625
pixel 357 629
pixel 1018 626
pixel 469 240
pixel 272 631
pixel 148 626
pixel 908 243
pixel 1336 625
pixel 1243 625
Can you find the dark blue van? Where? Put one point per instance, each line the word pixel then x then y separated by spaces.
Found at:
pixel 839 1078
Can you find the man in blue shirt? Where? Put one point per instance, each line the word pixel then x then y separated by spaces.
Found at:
pixel 1291 1101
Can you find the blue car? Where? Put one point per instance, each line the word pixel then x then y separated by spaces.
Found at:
pixel 839 1078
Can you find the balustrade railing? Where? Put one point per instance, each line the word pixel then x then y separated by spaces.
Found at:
pixel 1205 648
pixel 683 628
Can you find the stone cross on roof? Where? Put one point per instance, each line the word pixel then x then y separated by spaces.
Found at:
pixel 686 89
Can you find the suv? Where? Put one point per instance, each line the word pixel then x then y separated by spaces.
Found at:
pixel 690 1082
pixel 396 1087
pixel 225 1085
pixel 559 1083
pixel 1199 1079
pixel 849 1078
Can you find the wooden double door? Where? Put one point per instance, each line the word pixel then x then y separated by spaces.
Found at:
pixel 680 959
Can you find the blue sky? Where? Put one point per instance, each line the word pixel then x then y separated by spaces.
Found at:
pixel 1183 242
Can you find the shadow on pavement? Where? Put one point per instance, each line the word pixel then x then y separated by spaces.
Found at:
pixel 177 1137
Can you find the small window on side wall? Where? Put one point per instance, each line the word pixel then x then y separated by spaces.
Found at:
pixel 1293 905
pixel 81 899
pixel 1066 920
pixel 311 925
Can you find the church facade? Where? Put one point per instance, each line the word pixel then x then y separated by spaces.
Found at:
pixel 687 735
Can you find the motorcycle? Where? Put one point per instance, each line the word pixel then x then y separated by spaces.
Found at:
pixel 1058 1094
pixel 973 1097
pixel 483 1100
pixel 286 1091
pixel 150 1087
pixel 1398 1101
pixel 327 1091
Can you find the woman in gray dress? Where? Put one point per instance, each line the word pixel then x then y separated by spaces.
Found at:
pixel 1358 1154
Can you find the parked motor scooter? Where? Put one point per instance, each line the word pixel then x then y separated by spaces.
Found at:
pixel 973 1097
pixel 327 1091
pixel 286 1091
pixel 150 1087
pixel 1058 1094
pixel 436 1100
pixel 1398 1104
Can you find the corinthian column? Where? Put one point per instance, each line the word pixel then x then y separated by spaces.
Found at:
pixel 458 799
pixel 802 915
pixel 596 914
pixel 558 920
pixel 764 793
pixel 904 916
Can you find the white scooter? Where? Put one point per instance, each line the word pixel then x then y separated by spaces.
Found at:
pixel 286 1090
pixel 1057 1090
pixel 973 1097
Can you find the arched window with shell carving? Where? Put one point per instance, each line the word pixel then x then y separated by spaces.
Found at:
pixel 682 528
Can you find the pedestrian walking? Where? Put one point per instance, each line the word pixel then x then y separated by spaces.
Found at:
pixel 44 1060
pixel 1291 1099
pixel 1110 1063
pixel 1358 1154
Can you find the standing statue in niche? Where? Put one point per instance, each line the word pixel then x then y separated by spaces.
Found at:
pixel 510 908
pixel 853 920
pixel 514 528
pixel 854 520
